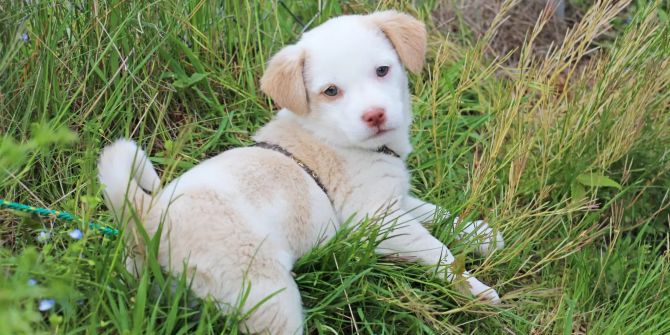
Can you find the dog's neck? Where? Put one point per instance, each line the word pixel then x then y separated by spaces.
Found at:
pixel 396 142
pixel 289 134
pixel 322 158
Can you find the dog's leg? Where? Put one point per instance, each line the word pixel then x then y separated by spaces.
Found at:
pixel 410 239
pixel 268 298
pixel 278 306
pixel 478 232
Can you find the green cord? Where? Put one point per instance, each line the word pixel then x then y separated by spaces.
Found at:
pixel 58 214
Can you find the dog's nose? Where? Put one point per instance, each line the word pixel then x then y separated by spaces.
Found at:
pixel 374 117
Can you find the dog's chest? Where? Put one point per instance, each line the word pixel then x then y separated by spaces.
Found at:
pixel 372 180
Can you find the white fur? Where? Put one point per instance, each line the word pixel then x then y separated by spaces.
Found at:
pixel 118 163
pixel 245 216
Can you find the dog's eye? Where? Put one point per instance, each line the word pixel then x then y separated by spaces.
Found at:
pixel 331 91
pixel 382 71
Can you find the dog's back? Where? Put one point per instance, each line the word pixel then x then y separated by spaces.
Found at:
pixel 240 218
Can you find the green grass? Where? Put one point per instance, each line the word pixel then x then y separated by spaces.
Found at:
pixel 569 156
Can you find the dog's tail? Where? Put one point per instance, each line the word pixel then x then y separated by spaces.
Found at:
pixel 126 173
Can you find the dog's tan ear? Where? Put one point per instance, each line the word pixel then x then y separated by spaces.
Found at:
pixel 407 34
pixel 283 80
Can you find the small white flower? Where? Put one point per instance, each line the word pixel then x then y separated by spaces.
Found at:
pixel 46 304
pixel 32 282
pixel 76 234
pixel 43 236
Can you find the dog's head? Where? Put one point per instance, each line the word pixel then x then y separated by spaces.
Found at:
pixel 345 80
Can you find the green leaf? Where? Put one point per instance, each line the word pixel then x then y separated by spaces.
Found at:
pixel 185 82
pixel 139 313
pixel 91 201
pixel 11 152
pixel 44 135
pixel 577 192
pixel 597 180
pixel 569 317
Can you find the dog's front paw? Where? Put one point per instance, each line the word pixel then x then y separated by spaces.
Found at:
pixel 483 292
pixel 489 240
pixel 482 235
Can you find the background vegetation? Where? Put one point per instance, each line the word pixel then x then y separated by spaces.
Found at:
pixel 566 152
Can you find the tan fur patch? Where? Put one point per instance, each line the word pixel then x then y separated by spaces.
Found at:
pixel 407 34
pixel 283 80
pixel 286 179
pixel 201 215
pixel 322 159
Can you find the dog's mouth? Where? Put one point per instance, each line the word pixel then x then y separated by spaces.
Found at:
pixel 377 132
pixel 382 132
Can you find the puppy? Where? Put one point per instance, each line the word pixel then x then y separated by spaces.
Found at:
pixel 335 150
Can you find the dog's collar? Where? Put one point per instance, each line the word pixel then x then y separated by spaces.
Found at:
pixel 265 145
pixel 386 150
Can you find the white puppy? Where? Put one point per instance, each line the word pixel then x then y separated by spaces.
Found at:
pixel 336 150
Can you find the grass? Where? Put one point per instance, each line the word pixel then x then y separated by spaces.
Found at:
pixel 568 155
